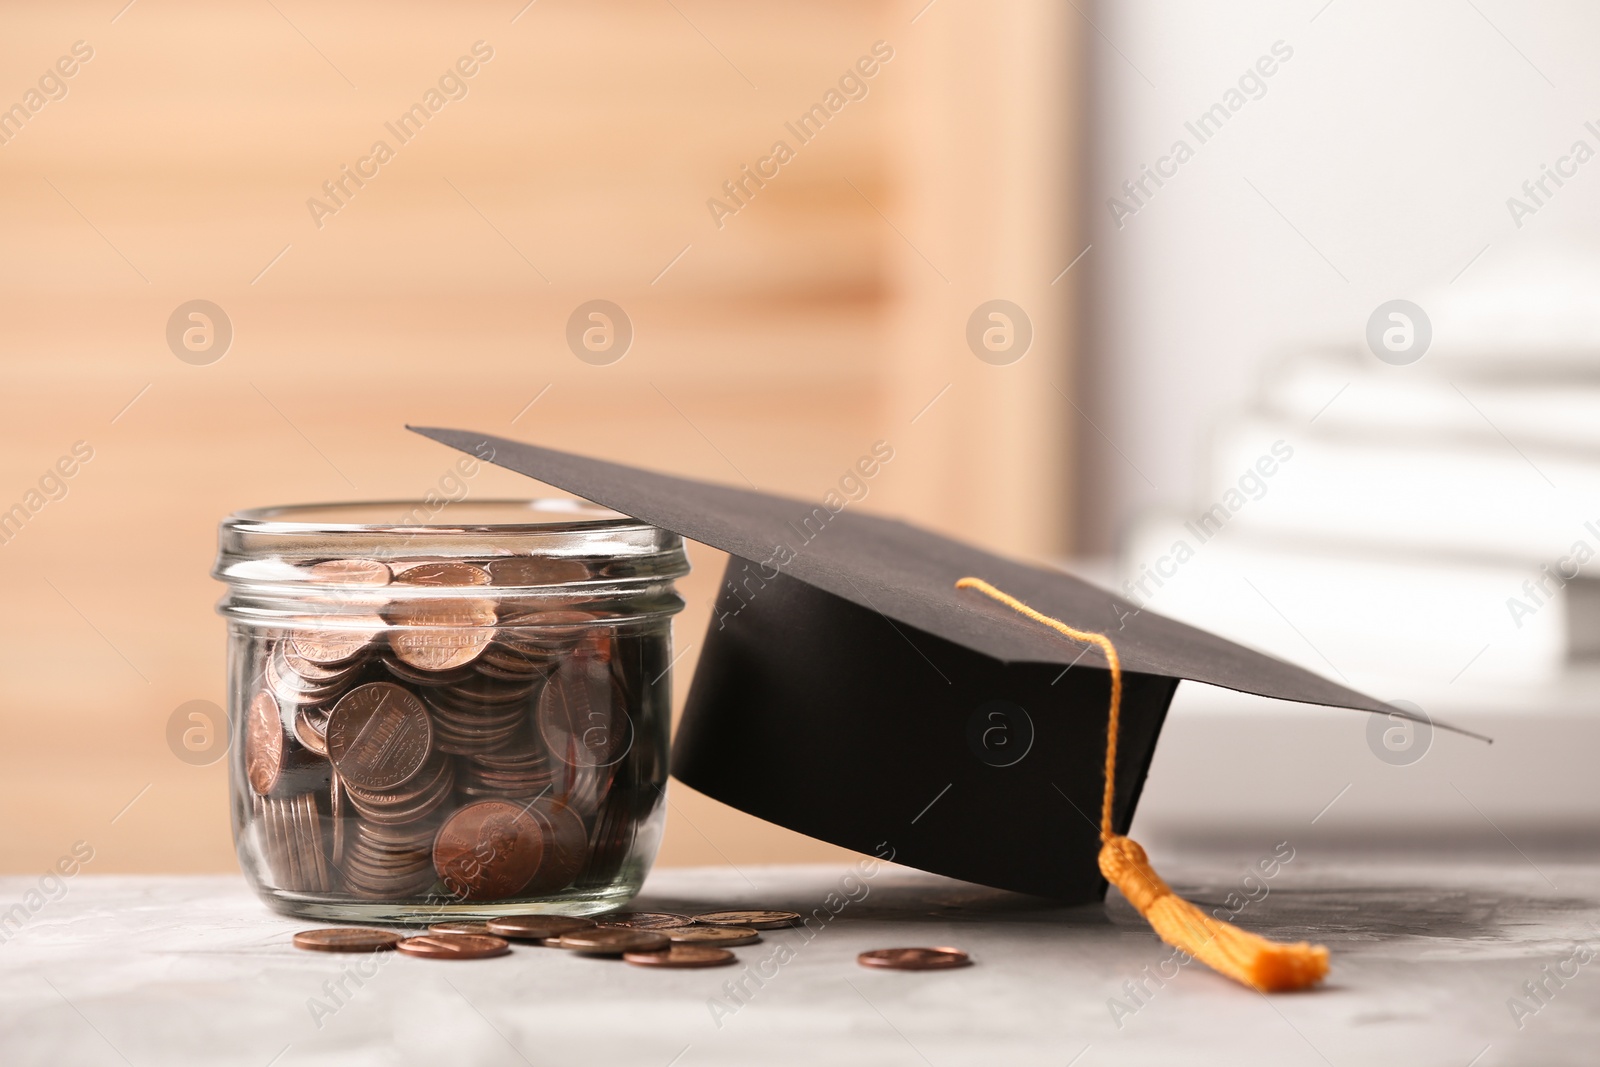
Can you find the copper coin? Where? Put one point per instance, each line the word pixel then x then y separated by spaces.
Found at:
pixel 644 920
pixel 325 647
pixel 682 956
pixel 581 715
pixel 444 574
pixel 914 959
pixel 378 736
pixel 753 920
pixel 311 731
pixel 350 572
pixel 263 743
pixel 537 570
pixel 440 635
pixel 454 946
pixel 488 850
pixel 726 936
pixel 566 847
pixel 481 929
pixel 537 927
pixel 613 941
pixel 346 939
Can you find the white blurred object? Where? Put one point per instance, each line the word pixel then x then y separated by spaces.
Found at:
pixel 1410 527
pixel 1377 621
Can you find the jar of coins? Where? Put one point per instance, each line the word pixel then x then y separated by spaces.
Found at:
pixel 463 716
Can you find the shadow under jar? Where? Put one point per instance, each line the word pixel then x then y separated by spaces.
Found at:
pixel 460 719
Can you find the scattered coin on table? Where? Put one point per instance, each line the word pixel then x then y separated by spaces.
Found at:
pixel 644 920
pixel 346 939
pixel 725 936
pixel 537 927
pixel 682 956
pixel 914 959
pixel 454 946
pixel 754 920
pixel 613 941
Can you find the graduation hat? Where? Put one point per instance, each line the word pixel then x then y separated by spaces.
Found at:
pixel 848 689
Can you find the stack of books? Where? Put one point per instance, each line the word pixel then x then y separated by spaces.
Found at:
pixel 1406 529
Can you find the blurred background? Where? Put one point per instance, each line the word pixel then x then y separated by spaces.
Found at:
pixel 1110 279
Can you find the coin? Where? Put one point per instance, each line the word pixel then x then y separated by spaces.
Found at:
pixel 263 743
pixel 481 929
pixel 537 927
pixel 346 939
pixel 440 635
pixel 726 936
pixel 488 850
pixel 454 946
pixel 613 941
pixel 914 959
pixel 326 647
pixel 566 847
pixel 644 920
pixel 350 572
pixel 537 570
pixel 444 574
pixel 754 920
pixel 378 736
pixel 682 956
pixel 581 714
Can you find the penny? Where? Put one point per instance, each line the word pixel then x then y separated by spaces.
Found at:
pixel 311 731
pixel 440 635
pixel 537 570
pixel 263 743
pixel 914 959
pixel 346 939
pixel 613 941
pixel 444 574
pixel 326 647
pixel 378 736
pixel 644 920
pixel 537 927
pixel 754 920
pixel 350 572
pixel 566 850
pixel 682 956
pixel 726 936
pixel 454 946
pixel 481 929
pixel 488 850
pixel 581 715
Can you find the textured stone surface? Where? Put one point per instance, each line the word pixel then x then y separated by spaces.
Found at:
pixel 190 970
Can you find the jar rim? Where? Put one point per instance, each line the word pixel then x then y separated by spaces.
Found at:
pixel 276 548
pixel 555 515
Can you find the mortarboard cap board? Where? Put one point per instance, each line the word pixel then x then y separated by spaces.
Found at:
pixel 848 690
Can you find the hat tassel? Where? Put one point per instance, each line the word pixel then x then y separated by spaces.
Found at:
pixel 1267 966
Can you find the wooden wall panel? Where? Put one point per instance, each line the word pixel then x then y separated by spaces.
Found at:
pixel 776 348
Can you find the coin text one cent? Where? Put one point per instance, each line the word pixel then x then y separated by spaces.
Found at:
pixel 379 736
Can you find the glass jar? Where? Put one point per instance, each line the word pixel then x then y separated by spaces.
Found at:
pixel 454 719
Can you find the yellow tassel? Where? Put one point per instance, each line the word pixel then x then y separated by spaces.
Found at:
pixel 1269 966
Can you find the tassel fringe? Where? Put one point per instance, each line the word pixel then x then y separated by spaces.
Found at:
pixel 1267 966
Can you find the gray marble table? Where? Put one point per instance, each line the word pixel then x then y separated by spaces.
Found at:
pixel 1428 960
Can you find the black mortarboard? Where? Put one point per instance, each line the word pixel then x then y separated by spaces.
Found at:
pixel 848 690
